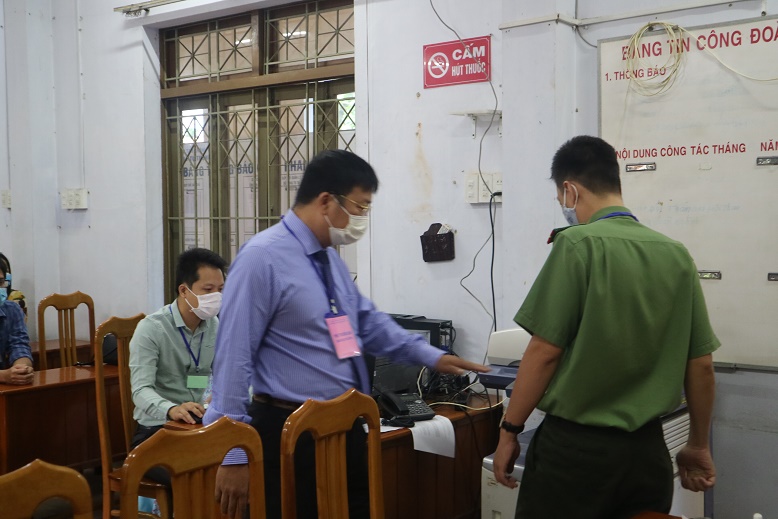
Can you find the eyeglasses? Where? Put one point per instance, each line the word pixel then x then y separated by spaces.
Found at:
pixel 364 209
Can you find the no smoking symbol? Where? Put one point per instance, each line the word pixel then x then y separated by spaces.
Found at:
pixel 438 65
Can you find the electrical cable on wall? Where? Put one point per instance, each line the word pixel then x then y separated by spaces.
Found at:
pixel 651 86
pixel 493 314
pixel 577 30
pixel 492 216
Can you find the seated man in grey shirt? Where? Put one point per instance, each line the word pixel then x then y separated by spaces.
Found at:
pixel 172 349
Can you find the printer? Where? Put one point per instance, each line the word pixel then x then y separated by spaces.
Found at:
pixel 504 352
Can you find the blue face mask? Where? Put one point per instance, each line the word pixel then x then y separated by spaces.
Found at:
pixel 569 212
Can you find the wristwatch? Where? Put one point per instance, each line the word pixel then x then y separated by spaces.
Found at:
pixel 512 428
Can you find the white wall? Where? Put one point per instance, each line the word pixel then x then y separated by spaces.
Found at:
pixel 76 117
pixel 422 153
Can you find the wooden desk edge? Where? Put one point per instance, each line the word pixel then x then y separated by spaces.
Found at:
pixel 60 376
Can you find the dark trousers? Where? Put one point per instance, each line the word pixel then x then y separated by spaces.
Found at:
pixel 269 420
pixel 587 472
pixel 143 433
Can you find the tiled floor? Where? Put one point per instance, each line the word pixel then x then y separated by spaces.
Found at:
pixel 60 509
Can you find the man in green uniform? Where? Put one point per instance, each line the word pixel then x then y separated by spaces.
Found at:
pixel 619 328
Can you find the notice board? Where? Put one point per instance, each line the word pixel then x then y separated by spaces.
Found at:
pixel 706 134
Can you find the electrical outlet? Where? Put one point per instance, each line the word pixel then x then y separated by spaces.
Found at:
pixel 471 188
pixel 484 187
pixel 479 190
pixel 497 185
pixel 5 195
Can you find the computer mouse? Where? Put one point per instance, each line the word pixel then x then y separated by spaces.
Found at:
pixel 196 418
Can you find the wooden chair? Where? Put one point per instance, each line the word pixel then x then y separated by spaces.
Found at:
pixel 654 515
pixel 328 422
pixel 23 490
pixel 192 458
pixel 66 305
pixel 122 329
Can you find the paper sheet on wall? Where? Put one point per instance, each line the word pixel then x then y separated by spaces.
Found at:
pixel 435 436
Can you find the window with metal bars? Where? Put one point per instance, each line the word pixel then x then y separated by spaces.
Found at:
pixel 248 101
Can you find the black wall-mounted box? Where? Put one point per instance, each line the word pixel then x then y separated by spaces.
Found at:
pixel 437 247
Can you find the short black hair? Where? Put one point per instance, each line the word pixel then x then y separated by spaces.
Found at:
pixel 337 172
pixel 5 264
pixel 190 261
pixel 5 268
pixel 590 161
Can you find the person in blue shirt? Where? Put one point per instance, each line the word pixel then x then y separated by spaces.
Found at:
pixel 10 294
pixel 15 354
pixel 286 289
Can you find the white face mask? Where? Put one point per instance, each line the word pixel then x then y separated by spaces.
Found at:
pixel 208 305
pixel 354 230
pixel 569 212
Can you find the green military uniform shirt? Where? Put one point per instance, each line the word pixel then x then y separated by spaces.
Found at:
pixel 625 304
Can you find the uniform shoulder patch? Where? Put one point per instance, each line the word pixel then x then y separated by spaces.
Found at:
pixel 556 232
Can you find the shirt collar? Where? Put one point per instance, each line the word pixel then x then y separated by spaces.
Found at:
pixel 303 233
pixel 606 211
pixel 178 320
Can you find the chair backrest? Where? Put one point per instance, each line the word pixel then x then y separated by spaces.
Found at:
pixel 654 515
pixel 22 490
pixel 328 423
pixel 66 305
pixel 192 459
pixel 122 329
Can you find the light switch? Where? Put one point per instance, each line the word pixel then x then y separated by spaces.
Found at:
pixel 80 198
pixel 74 198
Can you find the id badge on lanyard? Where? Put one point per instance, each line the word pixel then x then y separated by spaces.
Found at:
pixel 342 336
pixel 339 326
pixel 196 381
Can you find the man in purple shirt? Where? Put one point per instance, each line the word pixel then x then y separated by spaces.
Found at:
pixel 287 295
pixel 15 354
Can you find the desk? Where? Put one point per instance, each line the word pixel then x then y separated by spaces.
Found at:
pixel 423 485
pixel 55 418
pixel 83 353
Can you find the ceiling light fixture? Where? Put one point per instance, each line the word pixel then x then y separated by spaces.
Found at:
pixel 133 10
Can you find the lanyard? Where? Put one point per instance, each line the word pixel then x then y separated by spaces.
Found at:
pixel 324 277
pixel 618 213
pixel 189 348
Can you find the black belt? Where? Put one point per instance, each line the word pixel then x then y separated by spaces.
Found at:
pixel 276 402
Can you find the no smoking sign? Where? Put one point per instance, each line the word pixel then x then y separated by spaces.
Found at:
pixel 457 62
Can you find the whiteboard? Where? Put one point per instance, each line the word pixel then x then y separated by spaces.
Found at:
pixel 705 134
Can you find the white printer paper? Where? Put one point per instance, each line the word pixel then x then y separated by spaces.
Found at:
pixel 435 436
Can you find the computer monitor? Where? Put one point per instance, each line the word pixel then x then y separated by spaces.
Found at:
pixel 387 375
pixel 439 332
